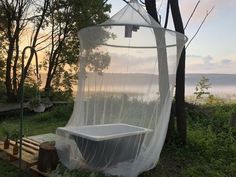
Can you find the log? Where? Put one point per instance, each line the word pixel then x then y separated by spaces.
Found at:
pixel 48 158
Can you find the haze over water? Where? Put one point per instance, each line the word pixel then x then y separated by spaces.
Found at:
pixel 222 85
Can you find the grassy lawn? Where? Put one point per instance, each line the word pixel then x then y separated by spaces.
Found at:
pixel 8 170
pixel 210 149
pixel 35 124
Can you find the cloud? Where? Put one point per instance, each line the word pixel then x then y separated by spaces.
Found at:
pixel 207 60
pixel 194 64
pixel 210 64
pixel 226 61
pixel 193 56
pixel 228 3
pixel 138 63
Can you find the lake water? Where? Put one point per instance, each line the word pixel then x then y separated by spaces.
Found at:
pixel 222 85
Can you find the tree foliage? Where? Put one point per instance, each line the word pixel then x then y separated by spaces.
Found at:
pixel 202 88
pixel 16 18
pixel 68 17
pixel 51 28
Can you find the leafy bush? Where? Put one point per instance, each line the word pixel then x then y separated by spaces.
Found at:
pixel 62 171
pixel 212 141
pixel 214 100
pixel 202 88
pixel 30 92
pixel 61 95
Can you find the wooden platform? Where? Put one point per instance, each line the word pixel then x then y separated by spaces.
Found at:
pixel 30 151
pixel 36 173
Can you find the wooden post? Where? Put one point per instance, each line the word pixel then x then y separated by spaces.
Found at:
pixel 48 158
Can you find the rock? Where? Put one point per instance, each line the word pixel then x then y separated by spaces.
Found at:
pixel 39 108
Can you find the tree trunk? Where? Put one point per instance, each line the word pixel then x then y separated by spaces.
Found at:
pixel 161 54
pixel 162 66
pixel 50 74
pixel 8 83
pixel 14 76
pixel 53 65
pixel 13 33
pixel 48 87
pixel 34 42
pixel 179 96
pixel 180 77
pixel 171 128
pixel 151 9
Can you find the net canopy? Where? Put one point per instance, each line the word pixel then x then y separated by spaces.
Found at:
pixel 126 80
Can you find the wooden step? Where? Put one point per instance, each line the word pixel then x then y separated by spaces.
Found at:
pixel 27 158
pixel 29 152
pixel 37 173
pixel 31 141
pixel 30 145
pixel 24 148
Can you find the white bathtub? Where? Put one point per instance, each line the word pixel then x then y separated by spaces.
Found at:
pixel 107 144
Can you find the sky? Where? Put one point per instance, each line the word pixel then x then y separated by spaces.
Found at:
pixel 213 50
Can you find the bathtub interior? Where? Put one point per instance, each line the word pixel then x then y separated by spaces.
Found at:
pixel 102 146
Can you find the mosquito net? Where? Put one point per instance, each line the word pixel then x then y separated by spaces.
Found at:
pixel 126 79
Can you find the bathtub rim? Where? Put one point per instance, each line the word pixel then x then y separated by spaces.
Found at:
pixel 103 138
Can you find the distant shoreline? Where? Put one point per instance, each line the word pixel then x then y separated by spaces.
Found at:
pixel 222 85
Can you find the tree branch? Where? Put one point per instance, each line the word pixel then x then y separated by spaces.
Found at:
pixel 44 40
pixel 43 47
pixel 204 19
pixel 151 7
pixel 167 13
pixel 190 17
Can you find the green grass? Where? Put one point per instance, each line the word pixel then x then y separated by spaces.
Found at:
pixel 210 149
pixel 8 170
pixel 38 123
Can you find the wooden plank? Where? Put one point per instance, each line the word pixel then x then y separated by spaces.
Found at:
pixel 31 141
pixel 12 107
pixel 38 173
pixel 28 158
pixel 24 148
pixel 32 146
pixel 48 137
